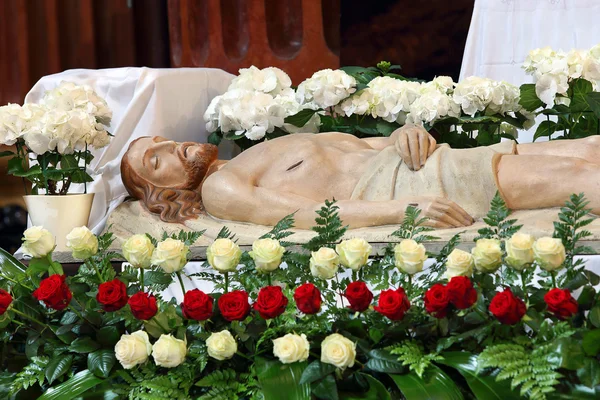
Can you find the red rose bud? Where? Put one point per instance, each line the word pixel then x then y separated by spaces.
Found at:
pixel 359 296
pixel 437 300
pixel 507 308
pixel 561 303
pixel 112 295
pixel 308 298
pixel 461 292
pixel 143 305
pixel 393 304
pixel 54 292
pixel 271 302
pixel 234 305
pixel 5 300
pixel 197 305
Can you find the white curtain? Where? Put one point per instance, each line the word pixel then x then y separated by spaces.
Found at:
pixel 145 102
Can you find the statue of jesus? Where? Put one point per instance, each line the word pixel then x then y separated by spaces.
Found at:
pixel 373 180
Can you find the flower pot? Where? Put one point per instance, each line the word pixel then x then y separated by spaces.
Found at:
pixel 59 214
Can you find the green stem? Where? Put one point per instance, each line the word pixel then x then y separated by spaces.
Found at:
pixel 524 287
pixel 339 290
pixel 93 264
pixel 226 281
pixel 28 317
pixel 81 316
pixel 553 274
pixel 481 314
pixel 142 279
pixel 409 288
pixel 180 282
pixel 15 282
pixel 244 356
pixel 166 330
pixel 269 278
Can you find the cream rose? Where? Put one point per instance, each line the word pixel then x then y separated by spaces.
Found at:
pixel 37 242
pixel 338 350
pixel 221 345
pixel 168 351
pixel 324 263
pixel 487 255
pixel 267 254
pixel 291 348
pixel 170 255
pixel 138 250
pixel 134 349
pixel 223 255
pixel 519 251
pixel 549 253
pixel 354 253
pixel 82 242
pixel 459 263
pixel 410 256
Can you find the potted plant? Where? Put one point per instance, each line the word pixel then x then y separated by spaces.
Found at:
pixel 52 142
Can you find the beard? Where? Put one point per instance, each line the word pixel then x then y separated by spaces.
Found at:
pixel 197 168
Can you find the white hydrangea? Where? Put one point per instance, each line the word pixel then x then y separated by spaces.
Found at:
pixel 362 102
pixel 289 102
pixel 16 121
pixel 326 88
pixel 431 106
pixel 394 97
pixel 443 84
pixel 591 66
pixel 269 80
pixel 68 96
pixel 475 94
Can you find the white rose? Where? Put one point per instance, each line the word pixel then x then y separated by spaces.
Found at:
pixel 338 350
pixel 221 345
pixel 38 242
pixel 267 254
pixel 170 255
pixel 291 348
pixel 324 263
pixel 138 250
pixel 459 263
pixel 487 255
pixel 134 349
pixel 82 242
pixel 549 253
pixel 354 253
pixel 519 250
pixel 410 256
pixel 223 255
pixel 168 351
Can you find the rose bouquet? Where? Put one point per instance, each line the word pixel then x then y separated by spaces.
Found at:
pixel 565 91
pixel 512 317
pixel 57 135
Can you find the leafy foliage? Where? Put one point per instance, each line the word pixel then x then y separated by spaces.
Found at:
pixel 412 226
pixel 411 354
pixel 573 217
pixel 499 227
pixel 281 230
pixel 329 227
pixel 189 238
pixel 32 374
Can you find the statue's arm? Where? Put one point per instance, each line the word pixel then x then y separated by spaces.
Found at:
pixel 228 197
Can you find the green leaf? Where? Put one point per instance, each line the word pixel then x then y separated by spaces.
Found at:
pixel 84 345
pixel 101 362
pixel 576 392
pixel 316 370
pixel 108 336
pixel 6 154
pixel 78 384
pixel 276 378
pixel 594 316
pixel 580 88
pixel 215 138
pixel 11 267
pixel 591 342
pixel 326 389
pixel 545 129
pixel 434 385
pixel 58 366
pixel 301 118
pixel 529 100
pixel 593 100
pixel 589 374
pixel 482 386
pixel 570 351
pixel 382 361
pixel 377 391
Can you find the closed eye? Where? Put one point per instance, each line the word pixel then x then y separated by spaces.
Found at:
pixel 155 161
pixel 295 165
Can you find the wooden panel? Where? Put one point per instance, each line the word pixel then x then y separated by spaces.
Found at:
pixel 288 34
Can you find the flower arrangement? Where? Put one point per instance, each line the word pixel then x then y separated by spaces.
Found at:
pixel 261 105
pixel 57 134
pixel 513 309
pixel 565 90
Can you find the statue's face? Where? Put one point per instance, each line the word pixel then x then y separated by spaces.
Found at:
pixel 168 164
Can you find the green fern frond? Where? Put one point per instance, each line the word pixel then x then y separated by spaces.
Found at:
pixel 281 230
pixel 32 374
pixel 499 227
pixel 218 378
pixel 219 393
pixel 329 227
pixel 225 233
pixel 412 226
pixel 411 354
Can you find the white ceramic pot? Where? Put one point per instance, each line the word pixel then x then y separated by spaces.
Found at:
pixel 59 214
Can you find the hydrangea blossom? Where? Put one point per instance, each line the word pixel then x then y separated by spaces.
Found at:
pixel 68 96
pixel 431 106
pixel 16 121
pixel 475 94
pixel 326 88
pixel 269 80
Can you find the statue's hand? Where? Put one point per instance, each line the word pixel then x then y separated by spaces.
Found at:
pixel 414 145
pixel 443 213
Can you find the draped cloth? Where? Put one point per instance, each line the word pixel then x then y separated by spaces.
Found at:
pixel 468 177
pixel 145 102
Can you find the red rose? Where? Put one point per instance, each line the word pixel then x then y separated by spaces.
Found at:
pixel 271 302
pixel 359 296
pixel 112 295
pixel 393 304
pixel 197 305
pixel 143 305
pixel 507 308
pixel 234 305
pixel 461 292
pixel 54 292
pixel 308 298
pixel 437 300
pixel 561 303
pixel 5 300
